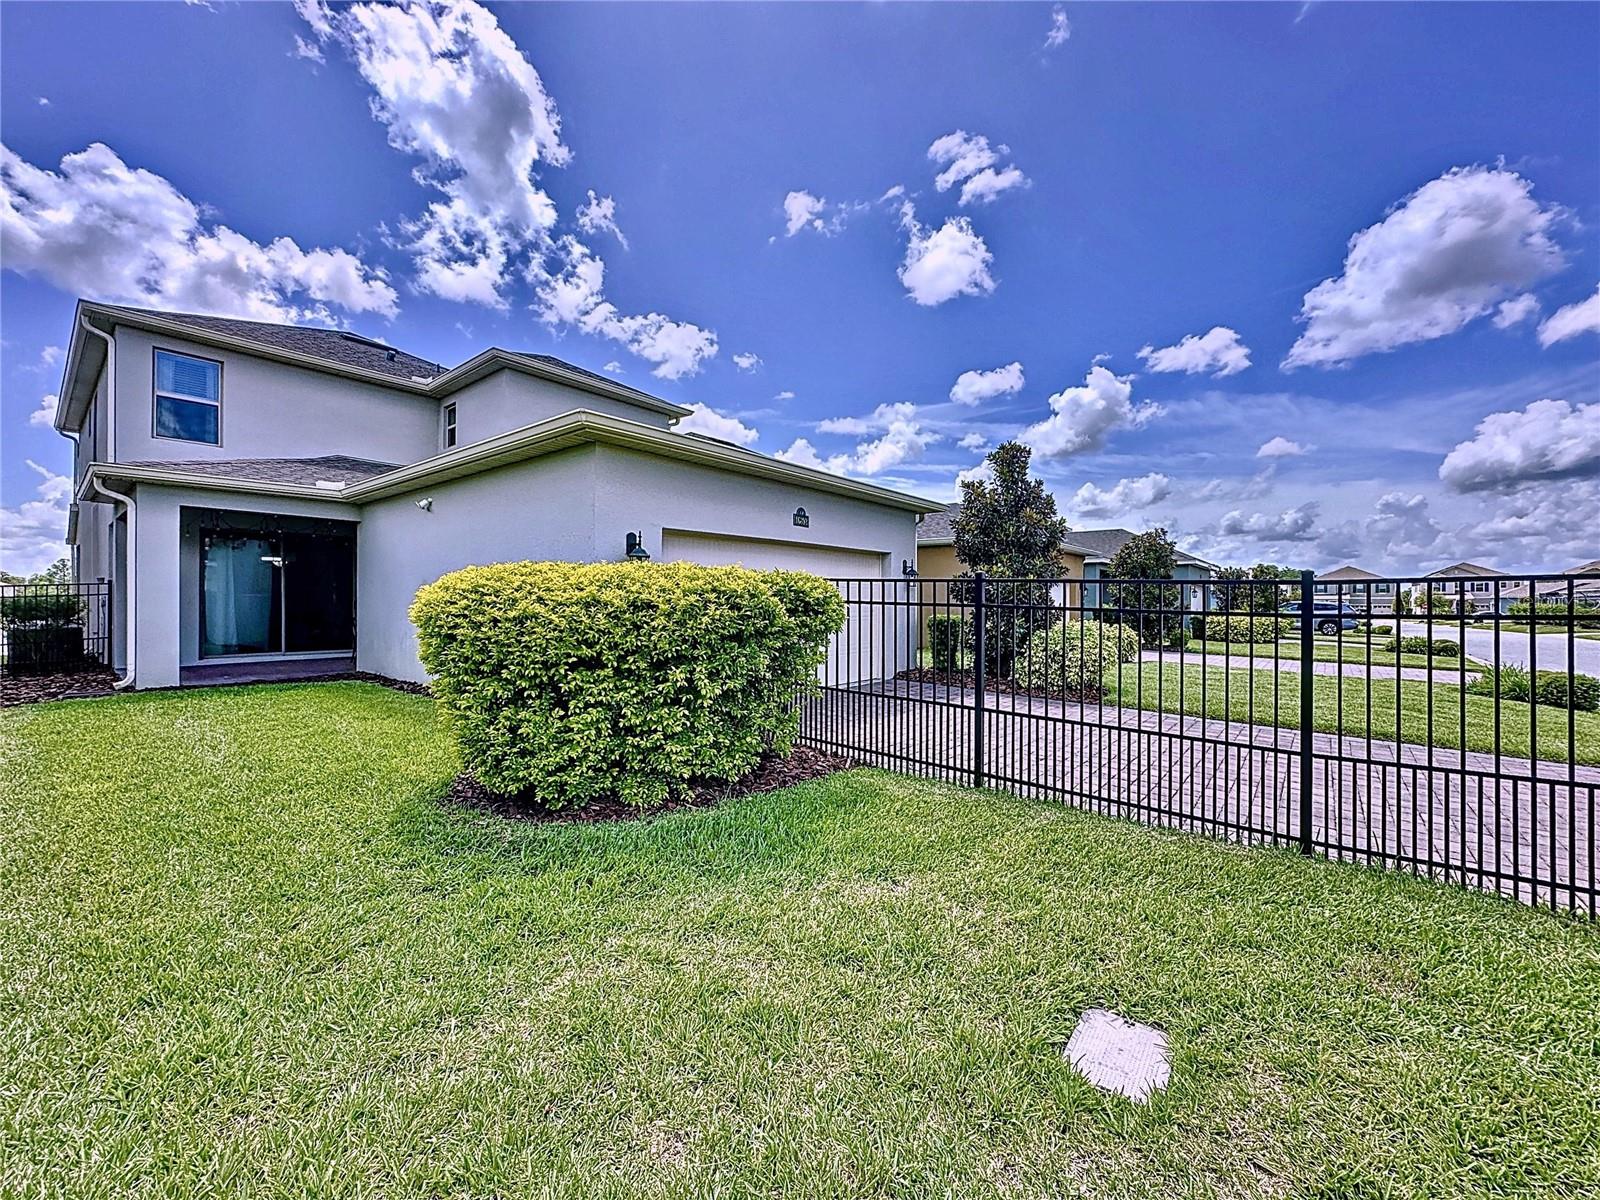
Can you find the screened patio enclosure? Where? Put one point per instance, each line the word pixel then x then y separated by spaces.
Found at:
pixel 272 585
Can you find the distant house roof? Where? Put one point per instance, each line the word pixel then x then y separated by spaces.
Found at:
pixel 1465 569
pixel 1346 572
pixel 307 472
pixel 332 345
pixel 1588 568
pixel 938 529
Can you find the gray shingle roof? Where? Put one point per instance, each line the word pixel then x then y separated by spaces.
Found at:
pixel 308 472
pixel 1091 543
pixel 333 345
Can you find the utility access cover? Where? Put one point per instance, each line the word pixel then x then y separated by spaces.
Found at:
pixel 1119 1056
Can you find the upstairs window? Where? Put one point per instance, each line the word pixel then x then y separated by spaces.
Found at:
pixel 188 398
pixel 448 422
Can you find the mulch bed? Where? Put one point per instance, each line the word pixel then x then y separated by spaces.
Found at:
pixel 397 685
pixel 1008 687
pixel 774 772
pixel 35 689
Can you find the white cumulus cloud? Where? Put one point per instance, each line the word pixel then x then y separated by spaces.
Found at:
pixel 747 361
pixel 45 415
pixel 971 387
pixel 707 420
pixel 33 534
pixel 1298 524
pixel 1282 447
pixel 802 210
pixel 969 157
pixel 1082 418
pixel 1217 352
pixel 902 438
pixel 1445 255
pixel 1515 311
pixel 599 215
pixel 1574 319
pixel 989 183
pixel 1550 439
pixel 1060 29
pixel 944 263
pixel 1123 496
pixel 97 227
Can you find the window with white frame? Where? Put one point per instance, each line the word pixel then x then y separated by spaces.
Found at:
pixel 1481 585
pixel 447 423
pixel 188 398
pixel 1381 589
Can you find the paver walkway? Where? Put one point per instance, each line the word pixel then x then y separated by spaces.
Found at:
pixel 1503 824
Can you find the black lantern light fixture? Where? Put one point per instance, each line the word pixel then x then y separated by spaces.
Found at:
pixel 907 569
pixel 636 550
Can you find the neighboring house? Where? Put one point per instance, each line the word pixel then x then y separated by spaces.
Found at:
pixel 1555 591
pixel 1473 583
pixel 1085 554
pixel 1356 587
pixel 268 499
pixel 936 553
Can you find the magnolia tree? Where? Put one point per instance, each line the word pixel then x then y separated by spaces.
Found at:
pixel 1145 602
pixel 1008 529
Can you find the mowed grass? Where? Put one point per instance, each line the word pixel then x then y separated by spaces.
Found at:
pixel 248 952
pixel 1329 650
pixel 1341 703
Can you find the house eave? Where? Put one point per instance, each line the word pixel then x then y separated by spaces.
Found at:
pixel 584 426
pixel 166 477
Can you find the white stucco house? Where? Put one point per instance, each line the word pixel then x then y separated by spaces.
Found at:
pixel 267 499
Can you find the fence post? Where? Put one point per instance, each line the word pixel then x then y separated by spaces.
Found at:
pixel 980 655
pixel 1307 708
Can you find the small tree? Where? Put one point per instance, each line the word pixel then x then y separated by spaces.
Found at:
pixel 1008 528
pixel 1254 589
pixel 59 571
pixel 1151 608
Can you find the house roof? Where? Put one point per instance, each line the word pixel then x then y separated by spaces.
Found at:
pixel 938 529
pixel 531 441
pixel 335 351
pixel 332 345
pixel 1588 568
pixel 304 472
pixel 1473 570
pixel 1349 571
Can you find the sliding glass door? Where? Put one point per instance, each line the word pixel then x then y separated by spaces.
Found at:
pixel 276 593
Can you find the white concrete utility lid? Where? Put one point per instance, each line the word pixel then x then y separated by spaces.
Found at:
pixel 1119 1056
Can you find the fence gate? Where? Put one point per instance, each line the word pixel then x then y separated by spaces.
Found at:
pixel 1431 726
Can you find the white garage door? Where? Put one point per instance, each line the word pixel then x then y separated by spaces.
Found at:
pixel 718 550
pixel 883 636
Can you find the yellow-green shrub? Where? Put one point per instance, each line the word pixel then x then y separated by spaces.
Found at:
pixel 577 682
pixel 1072 657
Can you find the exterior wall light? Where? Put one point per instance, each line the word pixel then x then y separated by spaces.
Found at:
pixel 426 504
pixel 907 569
pixel 636 550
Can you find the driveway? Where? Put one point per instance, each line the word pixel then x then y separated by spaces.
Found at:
pixel 1517 649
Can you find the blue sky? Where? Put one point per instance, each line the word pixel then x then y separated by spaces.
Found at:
pixel 1376 225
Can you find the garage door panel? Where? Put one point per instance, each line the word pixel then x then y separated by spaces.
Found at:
pixel 883 640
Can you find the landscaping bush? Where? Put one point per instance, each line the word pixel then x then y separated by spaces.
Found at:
pixel 1439 647
pixel 1248 629
pixel 1382 629
pixel 42 631
pixel 577 683
pixel 1073 656
pixel 1584 615
pixel 947 639
pixel 1516 683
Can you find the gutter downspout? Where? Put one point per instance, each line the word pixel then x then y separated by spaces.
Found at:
pixel 111 388
pixel 131 590
pixel 130 577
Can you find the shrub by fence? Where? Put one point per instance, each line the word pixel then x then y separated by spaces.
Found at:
pixel 1551 689
pixel 948 642
pixel 1438 647
pixel 1072 657
pixel 1244 629
pixel 576 683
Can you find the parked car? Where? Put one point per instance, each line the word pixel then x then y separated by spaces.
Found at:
pixel 1328 617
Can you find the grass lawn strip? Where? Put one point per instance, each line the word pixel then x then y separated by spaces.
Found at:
pixel 248 952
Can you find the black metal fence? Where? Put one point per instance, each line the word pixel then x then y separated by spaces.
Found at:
pixel 47 628
pixel 1444 727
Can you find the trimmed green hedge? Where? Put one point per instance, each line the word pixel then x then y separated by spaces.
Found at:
pixel 40 606
pixel 1439 647
pixel 1246 629
pixel 576 683
pixel 947 640
pixel 1074 656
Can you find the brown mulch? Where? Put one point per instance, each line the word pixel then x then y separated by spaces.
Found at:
pixel 35 689
pixel 773 772
pixel 396 685
pixel 1008 687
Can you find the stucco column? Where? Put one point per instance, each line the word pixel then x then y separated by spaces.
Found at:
pixel 157 621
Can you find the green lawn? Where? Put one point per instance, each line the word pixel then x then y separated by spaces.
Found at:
pixel 1546 629
pixel 247 952
pixel 1327 650
pixel 1340 704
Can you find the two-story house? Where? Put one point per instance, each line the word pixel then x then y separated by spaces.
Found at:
pixel 1356 587
pixel 265 500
